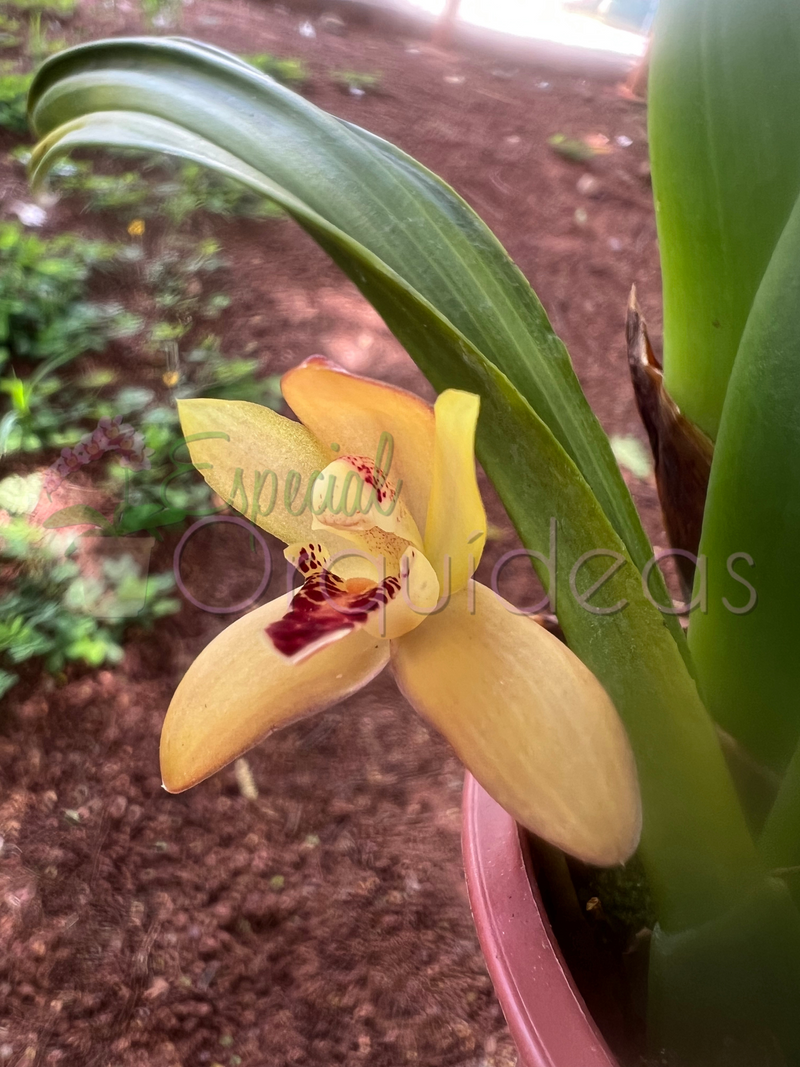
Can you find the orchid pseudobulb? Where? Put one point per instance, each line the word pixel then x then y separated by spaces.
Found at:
pixel 375 494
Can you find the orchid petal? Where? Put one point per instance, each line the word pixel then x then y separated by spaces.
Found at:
pixel 240 689
pixel 416 598
pixel 529 720
pixel 261 463
pixel 456 530
pixel 353 412
pixel 351 494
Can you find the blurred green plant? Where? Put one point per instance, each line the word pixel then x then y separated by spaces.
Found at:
pixel 175 278
pixel 9 31
pixel 52 411
pixel 162 14
pixel 62 8
pixel 13 96
pixel 159 497
pixel 288 70
pixel 57 614
pixel 45 313
pixel 38 45
pixel 159 188
pixel 46 321
pixel 47 318
pixel 356 81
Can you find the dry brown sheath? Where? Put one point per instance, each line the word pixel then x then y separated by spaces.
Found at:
pixel 682 453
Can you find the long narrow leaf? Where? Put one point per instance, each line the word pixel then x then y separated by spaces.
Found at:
pixel 745 647
pixel 724 123
pixel 370 190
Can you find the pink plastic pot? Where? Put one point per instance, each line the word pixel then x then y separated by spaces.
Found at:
pixel 546 1015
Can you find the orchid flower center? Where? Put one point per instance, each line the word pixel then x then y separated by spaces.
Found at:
pixel 396 588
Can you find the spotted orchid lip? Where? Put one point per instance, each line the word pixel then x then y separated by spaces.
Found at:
pixel 328 605
pixel 326 608
pixel 307 559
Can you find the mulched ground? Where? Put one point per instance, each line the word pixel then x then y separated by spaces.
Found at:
pixel 324 922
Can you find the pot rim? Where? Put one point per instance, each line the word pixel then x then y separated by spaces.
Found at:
pixel 548 1019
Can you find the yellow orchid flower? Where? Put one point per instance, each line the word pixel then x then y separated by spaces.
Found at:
pixel 349 488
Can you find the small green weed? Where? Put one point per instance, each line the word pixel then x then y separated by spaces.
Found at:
pixel 47 320
pixel 62 8
pixel 174 277
pixel 13 101
pixel 356 82
pixel 47 411
pixel 210 374
pixel 44 310
pixel 289 71
pixel 162 14
pixel 58 412
pixel 38 46
pixel 58 615
pixel 164 188
pixel 9 32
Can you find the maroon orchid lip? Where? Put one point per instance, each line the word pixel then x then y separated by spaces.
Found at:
pixel 325 608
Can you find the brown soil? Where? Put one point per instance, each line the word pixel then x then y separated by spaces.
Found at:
pixel 326 921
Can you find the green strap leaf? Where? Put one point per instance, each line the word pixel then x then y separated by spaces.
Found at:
pixel 746 651
pixel 724 125
pixel 381 197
